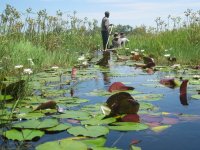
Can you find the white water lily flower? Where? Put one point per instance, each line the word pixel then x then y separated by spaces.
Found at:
pixel 132 52
pixel 167 55
pixel 55 67
pixel 81 58
pixel 19 66
pixel 105 110
pixel 136 49
pixel 28 71
pixel 196 76
pixel 142 50
pixel 85 63
pixel 176 66
pixel 127 48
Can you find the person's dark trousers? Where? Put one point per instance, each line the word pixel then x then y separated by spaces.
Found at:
pixel 105 35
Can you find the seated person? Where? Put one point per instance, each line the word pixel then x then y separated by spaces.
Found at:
pixel 123 39
pixel 116 42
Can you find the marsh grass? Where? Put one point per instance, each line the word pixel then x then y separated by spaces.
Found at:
pixel 183 44
pixel 47 40
pixel 60 40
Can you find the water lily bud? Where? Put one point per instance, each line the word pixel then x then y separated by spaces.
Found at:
pixel 28 71
pixel 55 67
pixel 167 55
pixel 18 66
pixel 74 72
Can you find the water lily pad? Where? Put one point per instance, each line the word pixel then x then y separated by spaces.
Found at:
pixel 90 131
pixel 117 74
pixel 23 135
pixel 106 93
pixel 148 97
pixel 93 108
pixel 98 120
pixel 73 100
pixel 36 124
pixel 160 128
pixel 30 115
pixel 195 82
pixel 196 96
pixel 154 85
pixel 46 111
pixel 104 148
pixel 151 118
pixel 5 97
pixel 99 93
pixel 94 142
pixel 135 147
pixel 33 100
pixel 62 145
pixel 128 126
pixel 170 121
pixel 147 106
pixel 79 115
pixel 60 127
pixel 53 93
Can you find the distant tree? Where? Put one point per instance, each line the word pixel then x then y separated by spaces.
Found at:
pixel 141 30
pixel 123 28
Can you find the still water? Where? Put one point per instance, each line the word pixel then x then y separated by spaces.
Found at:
pixel 183 133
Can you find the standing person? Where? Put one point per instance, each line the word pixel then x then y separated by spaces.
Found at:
pixel 105 29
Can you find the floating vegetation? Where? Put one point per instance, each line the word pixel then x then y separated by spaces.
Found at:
pixel 90 131
pixel 23 135
pixel 149 97
pixel 128 126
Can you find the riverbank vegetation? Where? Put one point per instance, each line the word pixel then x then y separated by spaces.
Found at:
pixel 58 40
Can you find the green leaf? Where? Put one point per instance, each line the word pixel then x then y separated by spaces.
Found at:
pixel 79 115
pixel 104 148
pixel 62 145
pixel 98 120
pixel 23 135
pixel 160 128
pixel 5 97
pixel 195 82
pixel 148 97
pixel 73 100
pixel 135 147
pixel 30 115
pixel 147 106
pixel 196 96
pixel 36 124
pixel 91 131
pixel 93 108
pixel 97 142
pixel 60 127
pixel 128 126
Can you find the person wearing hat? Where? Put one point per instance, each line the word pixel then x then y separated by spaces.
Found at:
pixel 105 29
pixel 116 42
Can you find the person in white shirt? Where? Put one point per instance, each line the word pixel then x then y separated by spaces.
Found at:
pixel 116 42
pixel 123 39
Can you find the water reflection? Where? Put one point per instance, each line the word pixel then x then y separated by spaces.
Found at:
pixel 104 61
pixel 183 99
pixel 106 78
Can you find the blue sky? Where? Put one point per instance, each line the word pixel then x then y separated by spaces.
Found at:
pixel 131 12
